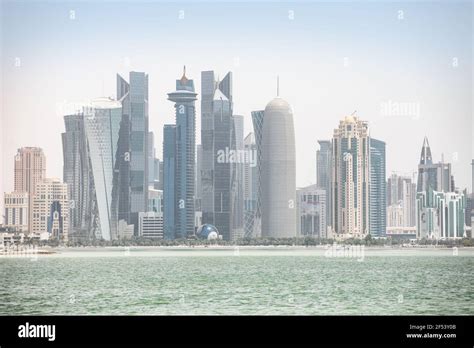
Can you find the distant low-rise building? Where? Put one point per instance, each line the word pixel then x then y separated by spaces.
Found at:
pixel 150 225
pixel 311 210
pixel 17 210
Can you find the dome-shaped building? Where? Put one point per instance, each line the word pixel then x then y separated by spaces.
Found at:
pixel 278 186
pixel 207 231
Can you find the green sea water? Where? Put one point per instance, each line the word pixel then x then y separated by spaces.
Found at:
pixel 141 281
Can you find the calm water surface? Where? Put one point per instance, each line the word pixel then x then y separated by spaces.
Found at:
pixel 152 281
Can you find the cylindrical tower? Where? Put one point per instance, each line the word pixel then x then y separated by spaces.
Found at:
pixel 278 171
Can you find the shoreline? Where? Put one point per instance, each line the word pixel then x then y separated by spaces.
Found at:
pixel 259 247
pixel 233 249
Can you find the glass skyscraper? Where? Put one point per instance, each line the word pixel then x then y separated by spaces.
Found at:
pixel 102 126
pixel 250 186
pixel 132 158
pixel 238 180
pixel 217 134
pixel 257 122
pixel 184 98
pixel 323 173
pixel 435 176
pixel 169 179
pixel 378 189
pixel 77 174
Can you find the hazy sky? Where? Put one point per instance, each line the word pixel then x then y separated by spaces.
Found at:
pixel 332 59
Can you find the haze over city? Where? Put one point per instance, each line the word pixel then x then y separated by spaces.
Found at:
pixel 163 158
pixel 331 59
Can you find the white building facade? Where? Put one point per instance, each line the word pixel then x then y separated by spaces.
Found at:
pixel 17 211
pixel 311 212
pixel 440 215
pixel 51 209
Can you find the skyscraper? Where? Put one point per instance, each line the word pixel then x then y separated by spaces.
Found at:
pixel 350 178
pixel 77 174
pixel 30 168
pixel 401 192
pixel 132 158
pixel 198 177
pixel 278 171
pixel 102 126
pixel 323 173
pixel 153 165
pixel 238 180
pixel 377 189
pixel 217 135
pixel 184 98
pixel 250 186
pixel 436 176
pixel 169 181
pixel 472 197
pixel 257 122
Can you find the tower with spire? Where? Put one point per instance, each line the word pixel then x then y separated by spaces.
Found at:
pixel 183 146
pixel 433 176
pixel 425 157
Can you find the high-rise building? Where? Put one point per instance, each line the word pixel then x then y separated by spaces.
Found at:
pixel 323 173
pixel 185 155
pixel 169 181
pixel 30 168
pixel 153 162
pixel 435 176
pixel 440 215
pixel 278 184
pixel 238 180
pixel 468 210
pixel 472 197
pixel 250 185
pixel 401 192
pixel 350 178
pixel 257 122
pixel 377 189
pixel 198 177
pixel 16 211
pixel 77 174
pixel 51 210
pixel 102 128
pixel 217 136
pixel 132 158
pixel 311 212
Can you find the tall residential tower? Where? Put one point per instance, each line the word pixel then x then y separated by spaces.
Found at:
pixel 350 178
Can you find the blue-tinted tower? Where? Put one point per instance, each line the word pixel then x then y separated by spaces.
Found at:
pixel 169 179
pixel 185 154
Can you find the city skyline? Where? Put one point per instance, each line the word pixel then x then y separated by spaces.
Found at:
pixel 431 84
pixel 236 158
